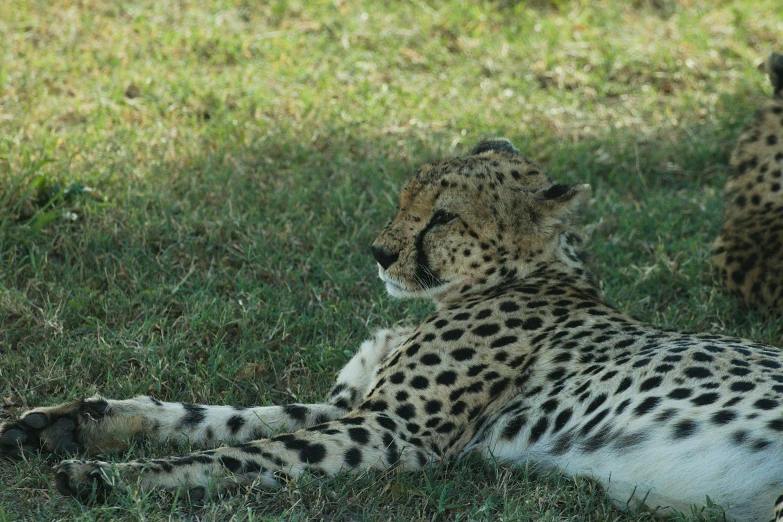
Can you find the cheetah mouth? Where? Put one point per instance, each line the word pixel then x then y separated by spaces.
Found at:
pixel 396 288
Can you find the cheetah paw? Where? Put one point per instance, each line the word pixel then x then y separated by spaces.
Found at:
pixel 84 479
pixel 55 430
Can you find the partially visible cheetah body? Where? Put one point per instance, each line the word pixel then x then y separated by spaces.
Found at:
pixel 748 254
pixel 522 362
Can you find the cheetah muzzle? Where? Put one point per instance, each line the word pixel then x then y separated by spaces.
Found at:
pixel 522 362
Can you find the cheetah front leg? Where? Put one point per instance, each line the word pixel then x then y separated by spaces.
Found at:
pixel 354 443
pixel 99 425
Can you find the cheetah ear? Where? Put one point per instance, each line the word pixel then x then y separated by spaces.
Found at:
pixel 775 71
pixel 494 144
pixel 560 202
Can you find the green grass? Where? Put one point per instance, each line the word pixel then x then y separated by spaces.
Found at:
pixel 188 192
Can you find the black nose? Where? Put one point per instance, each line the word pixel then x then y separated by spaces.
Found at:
pixel 384 257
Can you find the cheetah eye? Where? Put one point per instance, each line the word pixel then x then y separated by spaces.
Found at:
pixel 441 217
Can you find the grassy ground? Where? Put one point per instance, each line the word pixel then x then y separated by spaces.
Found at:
pixel 188 191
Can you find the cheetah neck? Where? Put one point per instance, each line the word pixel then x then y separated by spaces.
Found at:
pixel 563 263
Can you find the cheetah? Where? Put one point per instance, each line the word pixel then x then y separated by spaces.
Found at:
pixel 748 253
pixel 522 362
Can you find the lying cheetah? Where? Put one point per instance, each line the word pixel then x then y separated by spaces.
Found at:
pixel 748 254
pixel 522 362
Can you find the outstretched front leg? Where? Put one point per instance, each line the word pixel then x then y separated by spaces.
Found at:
pixel 99 425
pixel 354 443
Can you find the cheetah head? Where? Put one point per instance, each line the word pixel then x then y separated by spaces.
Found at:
pixel 469 223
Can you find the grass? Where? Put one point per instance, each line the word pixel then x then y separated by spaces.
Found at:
pixel 188 191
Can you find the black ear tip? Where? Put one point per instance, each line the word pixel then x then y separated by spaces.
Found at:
pixel 494 144
pixel 556 191
pixel 775 70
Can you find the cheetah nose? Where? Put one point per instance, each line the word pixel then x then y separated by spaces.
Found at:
pixel 384 257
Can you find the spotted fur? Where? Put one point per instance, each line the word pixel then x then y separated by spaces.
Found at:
pixel 748 253
pixel 522 362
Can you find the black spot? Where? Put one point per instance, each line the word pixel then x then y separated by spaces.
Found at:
pixel 705 398
pixel 742 386
pixel 313 453
pixel 446 427
pixel 562 418
pixel 463 354
pixel 392 455
pixel 533 323
pixel 646 406
pixel 698 372
pixel 539 429
pixel 353 457
pixel 769 364
pixel 622 406
pixel 430 359
pixel 680 393
pixel 766 404
pixel 486 330
pixel 235 424
pixel 432 407
pixel 514 426
pixel 724 417
pixel 446 378
pixel 684 429
pixel 194 415
pixel 397 378
pixel 649 384
pixel 739 372
pixel 232 464
pixel 360 435
pixel 776 424
pixel 452 335
pixel 252 467
pixel 406 411
pixel 387 423
pixel 497 388
pixel 419 382
pixel 595 403
pixel 624 385
pixel 509 306
pixel 476 369
pixel 295 411
pixel 503 341
pixel 598 417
